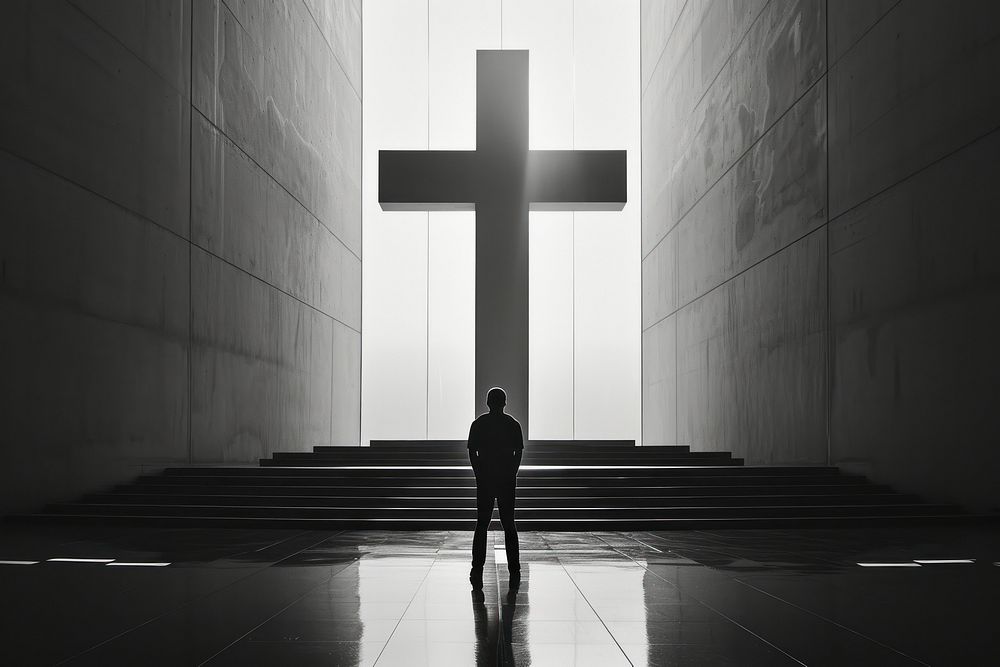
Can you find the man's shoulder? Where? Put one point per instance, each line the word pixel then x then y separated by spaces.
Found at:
pixel 489 418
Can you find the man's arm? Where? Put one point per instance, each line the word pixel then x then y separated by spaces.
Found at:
pixel 474 449
pixel 518 449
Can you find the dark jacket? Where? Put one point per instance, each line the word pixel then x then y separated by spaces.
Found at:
pixel 495 445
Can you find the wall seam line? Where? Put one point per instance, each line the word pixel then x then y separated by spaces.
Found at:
pixel 281 185
pixel 273 286
pixel 329 46
pixel 832 219
pixel 829 320
pixel 764 132
pixel 643 85
pixel 148 220
pixel 137 56
pixel 732 52
pixel 733 277
pixel 190 354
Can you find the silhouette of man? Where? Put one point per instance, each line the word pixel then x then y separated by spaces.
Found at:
pixel 495 446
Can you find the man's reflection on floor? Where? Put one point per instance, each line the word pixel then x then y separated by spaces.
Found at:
pixel 488 651
pixel 507 616
pixel 486 633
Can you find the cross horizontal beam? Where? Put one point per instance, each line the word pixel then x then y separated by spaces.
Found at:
pixel 577 180
pixel 428 180
pixel 583 180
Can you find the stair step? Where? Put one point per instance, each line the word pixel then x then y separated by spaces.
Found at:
pixel 152 488
pixel 469 514
pixel 464 463
pixel 468 500
pixel 463 444
pixel 566 455
pixel 630 472
pixel 815 521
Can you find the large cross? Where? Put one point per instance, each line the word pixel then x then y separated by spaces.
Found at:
pixel 500 180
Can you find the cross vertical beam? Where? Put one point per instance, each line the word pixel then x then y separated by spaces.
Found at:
pixel 502 228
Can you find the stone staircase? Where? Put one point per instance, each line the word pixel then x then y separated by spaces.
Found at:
pixel 562 485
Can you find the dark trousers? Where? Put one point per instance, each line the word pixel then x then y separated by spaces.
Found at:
pixel 503 494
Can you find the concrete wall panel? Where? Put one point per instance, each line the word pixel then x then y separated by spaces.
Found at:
pixel 774 195
pixel 340 23
pixel 885 366
pixel 80 93
pixel 849 21
pixel 261 366
pixel 301 126
pixel 778 59
pixel 158 32
pixel 690 63
pixel 915 278
pixel 734 199
pixel 659 383
pixel 93 339
pixel 657 18
pixel 921 83
pixel 276 194
pixel 751 361
pixel 659 282
pixel 242 215
pixel 345 414
pixel 99 298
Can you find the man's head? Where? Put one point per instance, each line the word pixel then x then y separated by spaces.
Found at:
pixel 496 399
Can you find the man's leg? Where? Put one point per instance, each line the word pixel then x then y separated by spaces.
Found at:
pixel 484 513
pixel 505 500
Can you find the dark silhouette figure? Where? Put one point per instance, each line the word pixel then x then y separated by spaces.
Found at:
pixel 495 446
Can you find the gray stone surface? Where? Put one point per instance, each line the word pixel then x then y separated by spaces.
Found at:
pixel 775 194
pixel 751 359
pixel 302 129
pixel 93 339
pixel 659 281
pixel 240 214
pixel 734 176
pixel 340 22
pixel 657 18
pixel 158 32
pixel 260 367
pixel 659 383
pixel 818 241
pixel 701 118
pixel 78 102
pixel 915 303
pixel 345 415
pixel 850 20
pixel 180 246
pixel 920 84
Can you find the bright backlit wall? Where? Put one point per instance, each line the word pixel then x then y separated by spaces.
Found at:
pixel 418 324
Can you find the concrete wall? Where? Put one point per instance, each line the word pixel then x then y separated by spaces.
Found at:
pixel 819 247
pixel 181 236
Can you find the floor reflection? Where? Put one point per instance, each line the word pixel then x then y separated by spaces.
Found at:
pixel 379 598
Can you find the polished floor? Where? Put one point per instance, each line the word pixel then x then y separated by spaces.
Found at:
pixel 131 596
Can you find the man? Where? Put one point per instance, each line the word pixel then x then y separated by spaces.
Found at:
pixel 495 446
